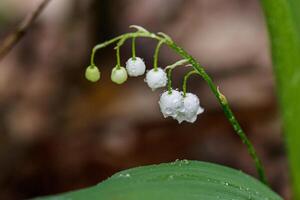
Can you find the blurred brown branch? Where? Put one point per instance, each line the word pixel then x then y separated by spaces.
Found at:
pixel 11 40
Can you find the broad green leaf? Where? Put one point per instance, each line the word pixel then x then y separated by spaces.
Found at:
pixel 282 17
pixel 180 180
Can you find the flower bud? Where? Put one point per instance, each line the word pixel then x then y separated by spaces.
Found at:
pixel 135 67
pixel 118 75
pixel 171 103
pixel 92 73
pixel 191 108
pixel 156 78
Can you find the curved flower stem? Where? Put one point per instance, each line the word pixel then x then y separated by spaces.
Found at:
pixel 156 54
pixel 200 70
pixel 170 81
pixel 121 37
pixel 170 69
pixel 102 45
pixel 186 77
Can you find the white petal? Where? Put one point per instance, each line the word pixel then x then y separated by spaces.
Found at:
pixel 200 110
pixel 191 108
pixel 171 103
pixel 156 78
pixel 135 67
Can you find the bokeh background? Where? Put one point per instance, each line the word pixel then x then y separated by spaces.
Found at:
pixel 58 132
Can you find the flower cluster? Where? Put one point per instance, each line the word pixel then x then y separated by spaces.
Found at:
pixel 173 103
pixel 181 106
pixel 156 78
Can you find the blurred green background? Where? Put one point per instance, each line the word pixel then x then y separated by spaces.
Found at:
pixel 59 132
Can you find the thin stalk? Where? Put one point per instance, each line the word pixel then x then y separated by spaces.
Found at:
pixel 133 49
pixel 102 45
pixel 170 70
pixel 118 57
pixel 170 81
pixel 123 36
pixel 156 54
pixel 185 79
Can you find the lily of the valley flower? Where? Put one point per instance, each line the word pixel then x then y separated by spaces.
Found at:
pixel 119 75
pixel 135 67
pixel 171 103
pixel 156 78
pixel 191 109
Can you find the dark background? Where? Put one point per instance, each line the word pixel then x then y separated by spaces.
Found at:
pixel 58 132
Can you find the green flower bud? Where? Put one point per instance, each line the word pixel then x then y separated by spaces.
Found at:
pixel 92 73
pixel 118 75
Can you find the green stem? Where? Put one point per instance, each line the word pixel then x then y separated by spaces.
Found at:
pixel 197 67
pixel 118 57
pixel 170 81
pixel 102 45
pixel 186 77
pixel 170 70
pixel 133 49
pixel 121 37
pixel 155 64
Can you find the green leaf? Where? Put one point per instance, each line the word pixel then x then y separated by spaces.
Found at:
pixel 282 17
pixel 295 5
pixel 180 180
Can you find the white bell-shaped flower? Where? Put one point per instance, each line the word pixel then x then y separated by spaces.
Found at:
pixel 171 103
pixel 135 67
pixel 118 75
pixel 191 108
pixel 156 78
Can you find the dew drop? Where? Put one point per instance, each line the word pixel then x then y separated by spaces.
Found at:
pixel 185 161
pixel 175 162
pixel 127 175
pixel 226 183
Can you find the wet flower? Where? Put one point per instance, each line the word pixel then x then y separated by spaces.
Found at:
pixel 135 67
pixel 119 75
pixel 171 103
pixel 156 78
pixel 92 73
pixel 191 109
